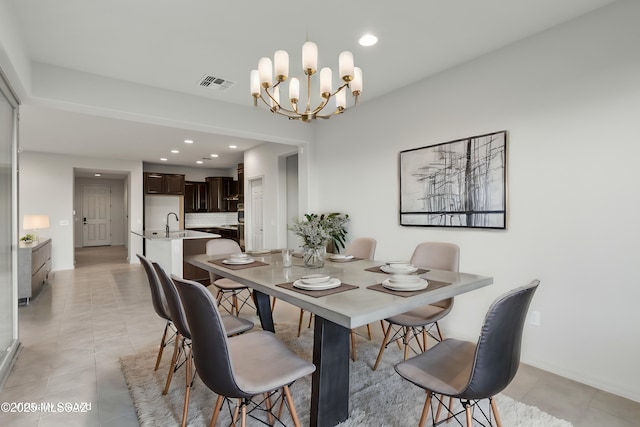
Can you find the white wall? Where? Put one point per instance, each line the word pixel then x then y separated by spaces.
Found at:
pixel 119 228
pixel 46 186
pixel 570 101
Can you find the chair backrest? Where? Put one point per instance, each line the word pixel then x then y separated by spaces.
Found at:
pixel 208 339
pixel 173 301
pixel 221 247
pixel 497 354
pixel 438 255
pixel 157 294
pixel 441 256
pixel 362 247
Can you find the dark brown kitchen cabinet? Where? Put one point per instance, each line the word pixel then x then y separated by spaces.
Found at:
pixel 240 182
pixel 162 183
pixel 196 196
pixel 220 189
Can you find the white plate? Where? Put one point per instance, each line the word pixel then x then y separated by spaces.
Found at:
pixel 392 270
pixel 238 261
pixel 406 287
pixel 342 257
pixel 310 279
pixel 330 284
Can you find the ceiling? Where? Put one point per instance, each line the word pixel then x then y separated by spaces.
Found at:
pixel 172 44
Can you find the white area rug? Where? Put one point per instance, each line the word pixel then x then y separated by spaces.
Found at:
pixel 378 398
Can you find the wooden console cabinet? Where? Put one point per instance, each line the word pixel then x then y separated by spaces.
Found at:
pixel 34 266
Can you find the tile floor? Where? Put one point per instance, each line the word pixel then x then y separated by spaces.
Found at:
pixel 75 331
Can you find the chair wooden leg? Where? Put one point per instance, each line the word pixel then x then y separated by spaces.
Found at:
pixel 369 331
pixel 172 367
pixel 406 339
pixel 424 340
pixel 310 320
pixel 187 390
pixel 163 343
pixel 234 419
pixel 216 411
pixel 292 408
pixel 235 304
pixel 496 415
pixel 469 416
pixel 300 321
pixel 425 410
pixel 273 303
pixel 353 345
pixel 450 406
pixel 243 423
pixel 267 401
pixel 384 342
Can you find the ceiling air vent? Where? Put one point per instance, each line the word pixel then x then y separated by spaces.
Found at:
pixel 215 83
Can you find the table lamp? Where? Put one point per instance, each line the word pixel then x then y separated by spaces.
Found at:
pixel 35 223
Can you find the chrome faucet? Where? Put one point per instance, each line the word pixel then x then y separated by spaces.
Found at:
pixel 166 228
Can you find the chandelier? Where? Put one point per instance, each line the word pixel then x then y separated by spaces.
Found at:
pixel 263 87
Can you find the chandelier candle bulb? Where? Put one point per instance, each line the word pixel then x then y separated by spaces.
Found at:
pixel 255 83
pixel 345 65
pixel 294 90
pixel 275 102
pixel 309 57
pixel 281 65
pixel 356 84
pixel 341 100
pixel 265 69
pixel 325 82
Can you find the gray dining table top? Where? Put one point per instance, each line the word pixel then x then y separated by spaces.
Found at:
pixel 351 308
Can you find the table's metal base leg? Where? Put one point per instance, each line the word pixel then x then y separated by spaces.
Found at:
pixel 330 381
pixel 263 307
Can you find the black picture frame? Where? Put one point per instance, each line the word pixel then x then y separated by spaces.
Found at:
pixel 460 183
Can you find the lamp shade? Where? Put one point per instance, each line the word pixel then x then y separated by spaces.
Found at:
pixel 35 222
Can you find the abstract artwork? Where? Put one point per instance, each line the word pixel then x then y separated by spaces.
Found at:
pixel 460 183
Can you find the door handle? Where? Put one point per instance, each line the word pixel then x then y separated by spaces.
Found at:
pixel 84 220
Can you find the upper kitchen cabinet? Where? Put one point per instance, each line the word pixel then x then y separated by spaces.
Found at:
pixel 241 182
pixel 162 183
pixel 196 196
pixel 223 194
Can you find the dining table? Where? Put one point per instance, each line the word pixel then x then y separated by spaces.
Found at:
pixel 360 299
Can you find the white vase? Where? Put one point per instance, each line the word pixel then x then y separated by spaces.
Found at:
pixel 314 256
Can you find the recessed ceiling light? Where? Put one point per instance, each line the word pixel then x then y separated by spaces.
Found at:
pixel 163 159
pixel 368 40
pixel 233 146
pixel 214 155
pixel 175 151
pixel 199 162
pixel 188 141
pixel 97 174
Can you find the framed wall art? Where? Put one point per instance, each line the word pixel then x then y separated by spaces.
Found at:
pixel 460 183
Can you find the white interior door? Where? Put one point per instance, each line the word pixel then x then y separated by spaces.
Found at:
pixel 257 214
pixel 96 215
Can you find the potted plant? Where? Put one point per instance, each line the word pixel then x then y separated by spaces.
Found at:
pixel 316 230
pixel 28 238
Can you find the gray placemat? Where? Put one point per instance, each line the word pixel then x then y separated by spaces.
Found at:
pixel 317 294
pixel 433 284
pixel 237 266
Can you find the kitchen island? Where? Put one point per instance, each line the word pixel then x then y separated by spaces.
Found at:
pixel 169 250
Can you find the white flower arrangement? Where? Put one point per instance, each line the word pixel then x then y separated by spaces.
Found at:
pixel 316 230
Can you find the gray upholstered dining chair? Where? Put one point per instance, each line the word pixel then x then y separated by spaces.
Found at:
pixel 160 306
pixel 240 367
pixel 236 294
pixel 182 349
pixel 409 325
pixel 470 371
pixel 364 248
